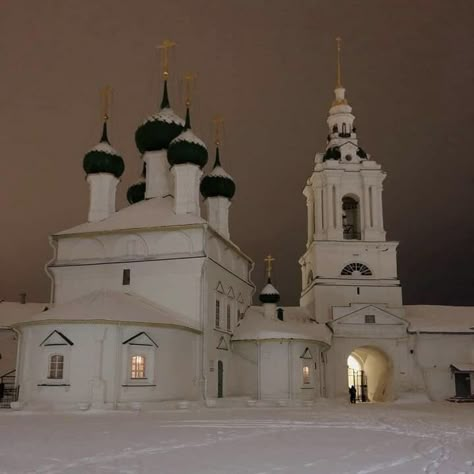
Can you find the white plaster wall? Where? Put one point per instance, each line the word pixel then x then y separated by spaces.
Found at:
pixel 273 370
pixel 433 355
pixel 173 283
pixel 94 369
pixel 244 368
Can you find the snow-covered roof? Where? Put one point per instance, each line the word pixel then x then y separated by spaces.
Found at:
pixel 107 305
pixel 220 172
pixel 447 319
pixel 269 289
pixel 297 324
pixel 189 136
pixel 12 313
pixel 105 148
pixel 165 115
pixel 155 212
pixel 463 367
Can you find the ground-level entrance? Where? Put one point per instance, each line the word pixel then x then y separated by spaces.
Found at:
pixel 369 370
pixel 462 380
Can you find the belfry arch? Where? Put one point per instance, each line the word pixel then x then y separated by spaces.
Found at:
pixel 351 218
pixel 371 371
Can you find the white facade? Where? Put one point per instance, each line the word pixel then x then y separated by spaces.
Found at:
pixel 153 303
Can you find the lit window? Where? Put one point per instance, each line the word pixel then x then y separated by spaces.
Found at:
pixel 370 318
pixel 306 374
pixel 228 317
pixel 218 313
pixel 56 367
pixel 138 367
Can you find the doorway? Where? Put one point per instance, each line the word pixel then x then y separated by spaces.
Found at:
pixel 220 379
pixel 369 369
pixel 462 382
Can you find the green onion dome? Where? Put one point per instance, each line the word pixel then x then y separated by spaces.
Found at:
pixel 187 148
pixel 332 154
pixel 136 192
pixel 218 183
pixel 103 158
pixel 269 293
pixel 160 129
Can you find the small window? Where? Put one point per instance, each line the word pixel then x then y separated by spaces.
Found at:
pixel 239 315
pixel 356 269
pixel 126 277
pixel 137 367
pixel 306 375
pixel 370 318
pixel 228 317
pixel 218 314
pixel 56 367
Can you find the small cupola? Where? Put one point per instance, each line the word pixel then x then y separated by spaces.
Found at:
pixel 103 158
pixel 218 183
pixel 269 293
pixel 187 148
pixel 269 296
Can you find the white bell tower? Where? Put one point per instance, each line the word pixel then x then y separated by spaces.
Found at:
pixel 348 259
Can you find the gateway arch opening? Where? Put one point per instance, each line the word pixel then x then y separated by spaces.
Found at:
pixel 370 371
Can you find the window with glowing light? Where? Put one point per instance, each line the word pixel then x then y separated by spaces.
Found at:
pixel 306 375
pixel 137 367
pixel 56 367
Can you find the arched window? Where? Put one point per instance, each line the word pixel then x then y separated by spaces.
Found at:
pixel 56 367
pixel 350 218
pixel 137 367
pixel 356 269
pixel 228 317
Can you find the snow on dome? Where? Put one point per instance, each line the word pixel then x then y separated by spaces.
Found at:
pixel 188 136
pixel 166 115
pixel 269 289
pixel 105 147
pixel 220 172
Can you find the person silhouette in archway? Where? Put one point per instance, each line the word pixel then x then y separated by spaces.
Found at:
pixel 352 394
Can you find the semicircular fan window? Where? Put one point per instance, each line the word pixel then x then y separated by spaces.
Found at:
pixel 356 269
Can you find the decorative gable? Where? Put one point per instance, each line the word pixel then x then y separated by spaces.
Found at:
pixel 141 339
pixel 220 288
pixel 240 299
pixel 368 320
pixel 231 293
pixel 56 338
pixel 222 344
pixel 306 354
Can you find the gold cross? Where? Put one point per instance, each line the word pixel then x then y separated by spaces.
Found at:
pixel 218 121
pixel 339 41
pixel 164 47
pixel 106 98
pixel 269 260
pixel 189 79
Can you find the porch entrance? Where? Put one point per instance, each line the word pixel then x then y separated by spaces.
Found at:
pixel 8 390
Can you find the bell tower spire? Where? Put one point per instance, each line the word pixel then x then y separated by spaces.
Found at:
pixel 348 258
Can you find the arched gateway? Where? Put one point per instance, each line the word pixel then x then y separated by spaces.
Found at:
pixel 370 370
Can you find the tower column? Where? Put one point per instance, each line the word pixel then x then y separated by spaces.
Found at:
pixel 158 177
pixel 103 188
pixel 186 189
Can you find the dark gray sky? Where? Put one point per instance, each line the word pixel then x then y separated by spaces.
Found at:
pixel 269 68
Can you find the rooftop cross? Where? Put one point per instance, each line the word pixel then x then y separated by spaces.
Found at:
pixel 218 121
pixel 164 48
pixel 106 98
pixel 268 261
pixel 189 79
pixel 338 41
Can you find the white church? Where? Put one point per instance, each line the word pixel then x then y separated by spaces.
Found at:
pixel 152 303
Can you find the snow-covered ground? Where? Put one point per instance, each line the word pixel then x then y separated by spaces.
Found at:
pixel 330 437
